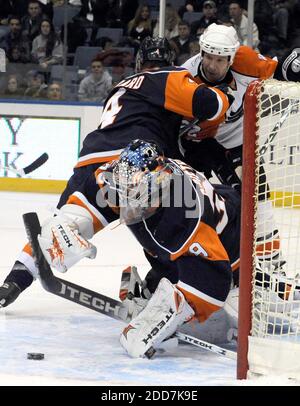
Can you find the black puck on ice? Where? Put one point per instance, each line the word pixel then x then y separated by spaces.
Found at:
pixel 35 355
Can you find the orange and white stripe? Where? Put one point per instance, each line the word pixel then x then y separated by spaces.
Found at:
pixel 99 221
pixel 235 265
pixel 98 157
pixel 202 304
pixel 26 258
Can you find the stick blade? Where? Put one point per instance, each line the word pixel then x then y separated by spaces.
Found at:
pixel 36 164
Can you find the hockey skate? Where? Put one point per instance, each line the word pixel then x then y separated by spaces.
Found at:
pixel 17 280
pixel 9 292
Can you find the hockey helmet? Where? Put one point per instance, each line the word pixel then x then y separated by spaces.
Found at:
pixel 219 40
pixel 156 50
pixel 142 178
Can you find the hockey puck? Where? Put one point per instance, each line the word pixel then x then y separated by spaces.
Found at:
pixel 35 355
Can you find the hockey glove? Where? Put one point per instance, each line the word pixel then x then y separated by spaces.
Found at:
pixel 9 292
pixel 63 238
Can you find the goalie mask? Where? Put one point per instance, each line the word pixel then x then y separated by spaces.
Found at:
pixel 156 50
pixel 142 178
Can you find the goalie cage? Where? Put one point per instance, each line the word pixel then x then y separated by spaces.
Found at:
pixel 269 327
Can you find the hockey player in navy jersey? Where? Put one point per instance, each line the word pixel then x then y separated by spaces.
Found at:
pixel 184 223
pixel 149 104
pixel 189 229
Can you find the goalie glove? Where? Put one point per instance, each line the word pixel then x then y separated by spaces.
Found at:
pixel 64 238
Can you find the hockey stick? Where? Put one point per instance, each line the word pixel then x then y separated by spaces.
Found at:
pixel 88 298
pixel 206 346
pixel 29 168
pixel 188 127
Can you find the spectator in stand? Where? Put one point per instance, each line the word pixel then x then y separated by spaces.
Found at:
pixel 15 39
pixel 171 23
pixel 58 3
pixel 269 42
pixel 77 35
pixel 181 43
pixel 96 86
pixel 190 6
pixel 95 10
pixel 32 20
pixel 36 87
pixel 194 48
pixel 282 13
pixel 105 43
pixel 47 8
pixel 16 55
pixel 120 12
pixel 140 26
pixel 54 92
pixel 240 23
pixel 209 16
pixel 115 57
pixel 11 7
pixel 13 87
pixel 47 47
pixel 263 17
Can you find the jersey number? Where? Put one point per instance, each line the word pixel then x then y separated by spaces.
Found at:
pixel 112 108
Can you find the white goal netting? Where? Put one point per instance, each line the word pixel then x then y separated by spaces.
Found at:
pixel 275 330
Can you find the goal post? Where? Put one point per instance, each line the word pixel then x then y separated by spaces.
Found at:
pixel 269 305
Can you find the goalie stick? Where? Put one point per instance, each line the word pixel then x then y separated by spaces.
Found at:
pixel 88 298
pixel 29 168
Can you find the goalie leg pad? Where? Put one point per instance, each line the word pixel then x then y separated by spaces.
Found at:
pixel 166 310
pixel 231 306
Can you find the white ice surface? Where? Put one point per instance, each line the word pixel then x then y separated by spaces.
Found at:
pixel 81 346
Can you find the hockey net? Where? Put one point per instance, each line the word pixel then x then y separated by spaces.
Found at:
pixel 269 305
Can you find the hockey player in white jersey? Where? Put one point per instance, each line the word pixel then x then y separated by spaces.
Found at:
pixel 223 60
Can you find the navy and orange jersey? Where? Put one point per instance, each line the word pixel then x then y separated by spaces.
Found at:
pixel 198 239
pixel 196 236
pixel 195 222
pixel 149 106
pixel 247 66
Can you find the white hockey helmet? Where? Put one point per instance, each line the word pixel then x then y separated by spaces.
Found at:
pixel 219 40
